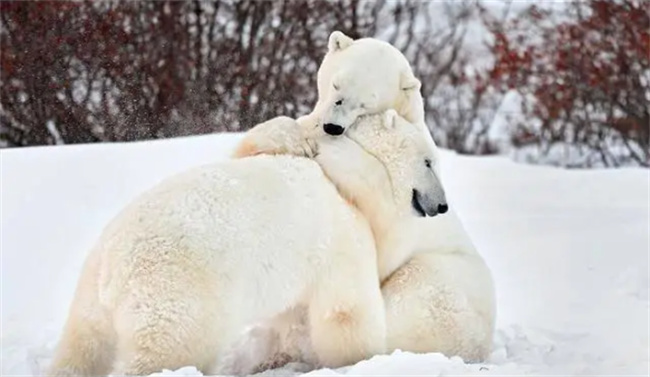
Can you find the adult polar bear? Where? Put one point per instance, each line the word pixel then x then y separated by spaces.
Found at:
pixel 443 298
pixel 172 282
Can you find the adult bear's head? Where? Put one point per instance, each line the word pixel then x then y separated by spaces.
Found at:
pixel 385 166
pixel 361 77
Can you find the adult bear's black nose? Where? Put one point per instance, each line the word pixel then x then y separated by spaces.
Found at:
pixel 333 129
pixel 442 208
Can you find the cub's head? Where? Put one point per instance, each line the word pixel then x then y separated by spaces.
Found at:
pixel 384 164
pixel 361 77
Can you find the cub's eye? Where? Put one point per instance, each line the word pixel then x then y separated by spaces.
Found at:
pixel 339 102
pixel 336 87
pixel 427 162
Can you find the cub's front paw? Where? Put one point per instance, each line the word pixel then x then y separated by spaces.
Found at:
pixel 281 135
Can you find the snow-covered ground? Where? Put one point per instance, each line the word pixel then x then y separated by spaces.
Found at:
pixel 568 249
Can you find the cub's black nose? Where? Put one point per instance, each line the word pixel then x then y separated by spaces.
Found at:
pixel 333 129
pixel 442 208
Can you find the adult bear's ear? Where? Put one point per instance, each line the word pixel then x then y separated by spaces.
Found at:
pixel 408 82
pixel 338 41
pixel 390 116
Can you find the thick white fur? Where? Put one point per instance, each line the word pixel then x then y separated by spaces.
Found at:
pixel 179 274
pixel 443 298
pixel 380 79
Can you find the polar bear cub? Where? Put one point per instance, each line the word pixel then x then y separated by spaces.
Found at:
pixel 356 78
pixel 177 276
pixel 380 78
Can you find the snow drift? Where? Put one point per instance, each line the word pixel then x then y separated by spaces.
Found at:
pixel 568 250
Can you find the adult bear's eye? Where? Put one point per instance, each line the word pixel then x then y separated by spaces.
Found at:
pixel 427 162
pixel 339 102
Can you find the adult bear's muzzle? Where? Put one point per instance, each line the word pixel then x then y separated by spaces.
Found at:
pixel 425 205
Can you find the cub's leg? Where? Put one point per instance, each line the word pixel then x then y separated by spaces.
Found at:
pixel 87 345
pixel 170 319
pixel 346 314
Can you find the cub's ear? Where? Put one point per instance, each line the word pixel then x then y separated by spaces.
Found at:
pixel 338 41
pixel 408 82
pixel 390 117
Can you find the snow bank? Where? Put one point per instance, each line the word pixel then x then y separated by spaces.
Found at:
pixel 568 249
